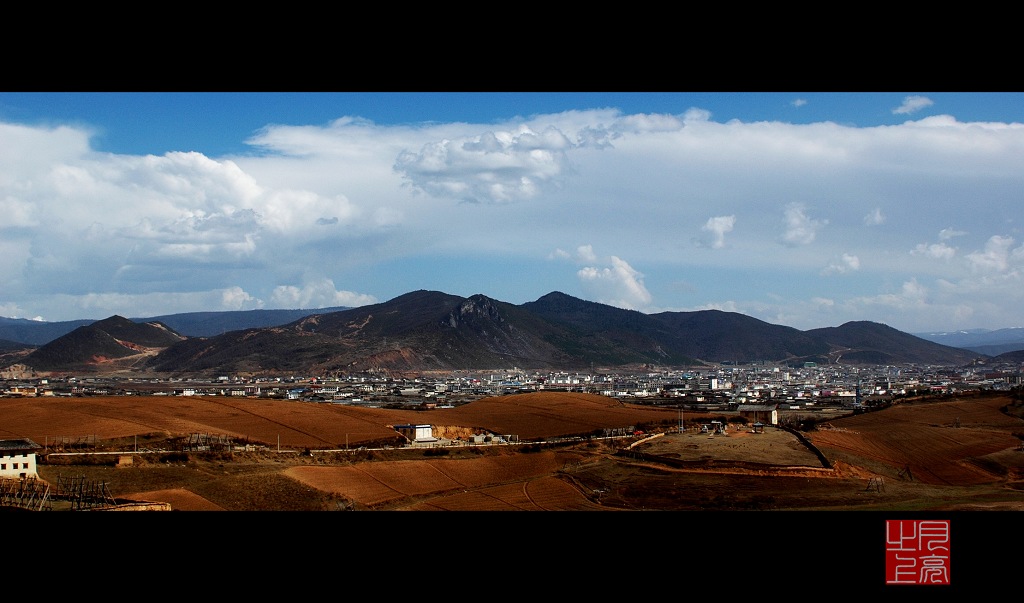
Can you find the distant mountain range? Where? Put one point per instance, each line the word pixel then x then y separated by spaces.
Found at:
pixel 431 330
pixel 983 341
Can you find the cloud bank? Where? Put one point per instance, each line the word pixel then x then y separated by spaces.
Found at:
pixel 915 225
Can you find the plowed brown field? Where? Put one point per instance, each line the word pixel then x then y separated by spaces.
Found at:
pixel 940 443
pixel 939 454
pixel 293 424
pixel 524 482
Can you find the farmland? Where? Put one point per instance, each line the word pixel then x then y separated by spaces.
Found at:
pixel 943 453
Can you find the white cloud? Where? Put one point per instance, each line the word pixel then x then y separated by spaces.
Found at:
pixel 492 167
pixel 801 229
pixel 235 298
pixel 996 256
pixel 799 102
pixel 844 264
pixel 718 226
pixel 912 294
pixel 618 285
pixel 317 294
pixel 583 254
pixel 912 104
pixel 938 251
pixel 586 253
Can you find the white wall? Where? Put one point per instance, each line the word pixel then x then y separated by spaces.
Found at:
pixel 17 464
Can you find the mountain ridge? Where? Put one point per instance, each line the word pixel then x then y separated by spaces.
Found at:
pixel 432 330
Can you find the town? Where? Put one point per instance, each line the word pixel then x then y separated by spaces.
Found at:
pixel 722 387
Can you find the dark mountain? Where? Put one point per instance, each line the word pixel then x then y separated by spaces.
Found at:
pixel 720 336
pixel 1016 356
pixel 422 330
pixel 864 342
pixel 190 324
pixel 98 345
pixel 597 333
pixel 431 330
pixel 13 346
pixel 983 341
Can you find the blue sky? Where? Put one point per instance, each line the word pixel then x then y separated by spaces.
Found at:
pixel 803 209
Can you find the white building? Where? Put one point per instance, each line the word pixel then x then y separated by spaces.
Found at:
pixel 18 458
pixel 417 433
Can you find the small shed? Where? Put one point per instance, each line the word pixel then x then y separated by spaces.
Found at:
pixel 18 458
pixel 767 413
pixel 417 433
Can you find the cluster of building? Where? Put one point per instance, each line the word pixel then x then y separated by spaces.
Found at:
pixel 720 387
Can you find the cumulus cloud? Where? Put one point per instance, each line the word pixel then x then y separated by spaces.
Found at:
pixel 844 264
pixel 583 254
pixel 236 298
pixel 799 102
pixel 492 167
pixel 912 104
pixel 317 294
pixel 586 253
pixel 616 285
pixel 718 226
pixel 938 251
pixel 800 229
pixel 997 255
pixel 911 294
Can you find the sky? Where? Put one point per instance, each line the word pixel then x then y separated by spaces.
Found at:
pixel 803 209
